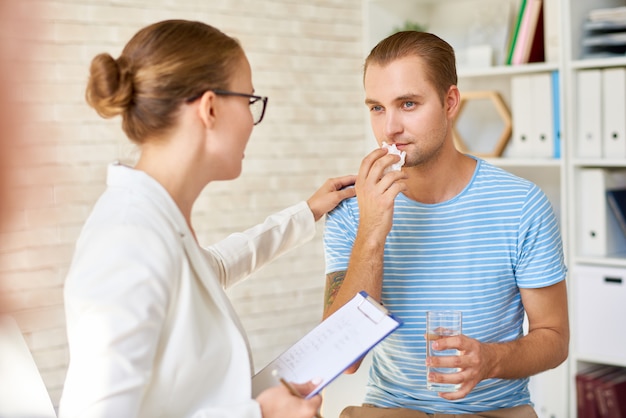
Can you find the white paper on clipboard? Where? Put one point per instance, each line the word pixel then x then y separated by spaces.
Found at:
pixel 331 347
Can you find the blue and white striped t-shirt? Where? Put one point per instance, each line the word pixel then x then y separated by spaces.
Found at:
pixel 471 253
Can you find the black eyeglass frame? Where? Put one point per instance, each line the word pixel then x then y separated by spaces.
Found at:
pixel 252 97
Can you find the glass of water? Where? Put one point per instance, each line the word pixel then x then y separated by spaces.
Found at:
pixel 442 324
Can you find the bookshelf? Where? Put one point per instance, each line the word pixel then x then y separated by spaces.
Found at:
pixel 596 290
pixel 474 26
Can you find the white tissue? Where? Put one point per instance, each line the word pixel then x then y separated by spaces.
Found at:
pixel 392 149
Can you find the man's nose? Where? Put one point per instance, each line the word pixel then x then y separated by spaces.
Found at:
pixel 393 124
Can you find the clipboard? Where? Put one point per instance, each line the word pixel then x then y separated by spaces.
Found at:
pixel 331 347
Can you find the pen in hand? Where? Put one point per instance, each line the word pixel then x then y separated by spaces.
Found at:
pixel 294 392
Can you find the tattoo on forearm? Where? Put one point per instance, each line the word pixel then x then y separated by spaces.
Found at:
pixel 333 284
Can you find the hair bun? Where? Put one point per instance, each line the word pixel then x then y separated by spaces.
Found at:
pixel 110 86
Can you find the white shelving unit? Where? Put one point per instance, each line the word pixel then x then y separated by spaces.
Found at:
pixel 464 23
pixel 591 297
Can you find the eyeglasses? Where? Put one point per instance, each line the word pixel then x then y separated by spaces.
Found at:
pixel 257 103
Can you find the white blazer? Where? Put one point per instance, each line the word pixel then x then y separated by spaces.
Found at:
pixel 151 331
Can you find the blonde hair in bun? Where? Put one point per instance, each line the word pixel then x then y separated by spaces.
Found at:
pixel 110 86
pixel 163 65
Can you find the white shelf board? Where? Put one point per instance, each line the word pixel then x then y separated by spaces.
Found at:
pixel 601 261
pixel 601 359
pixel 508 70
pixel 598 162
pixel 599 63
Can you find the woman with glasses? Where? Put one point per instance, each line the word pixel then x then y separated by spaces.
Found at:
pixel 151 331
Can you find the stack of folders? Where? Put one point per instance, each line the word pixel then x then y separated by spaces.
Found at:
pixel 535 112
pixel 601 392
pixel 605 33
pixel 601 106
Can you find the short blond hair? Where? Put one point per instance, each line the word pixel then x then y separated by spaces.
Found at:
pixel 436 53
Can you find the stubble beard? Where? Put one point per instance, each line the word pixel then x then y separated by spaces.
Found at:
pixel 421 155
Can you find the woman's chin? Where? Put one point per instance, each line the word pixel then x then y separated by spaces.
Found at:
pixel 230 175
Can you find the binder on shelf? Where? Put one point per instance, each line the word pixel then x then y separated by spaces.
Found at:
pixel 589 114
pixel 616 199
pixel 542 116
pixel 521 115
pixel 331 347
pixel 614 113
pixel 599 233
pixel 533 116
pixel 556 112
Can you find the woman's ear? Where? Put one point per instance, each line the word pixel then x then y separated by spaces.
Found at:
pixel 207 109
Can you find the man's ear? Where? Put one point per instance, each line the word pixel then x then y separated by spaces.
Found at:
pixel 452 101
pixel 207 110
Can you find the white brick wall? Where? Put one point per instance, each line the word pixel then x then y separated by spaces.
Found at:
pixel 306 56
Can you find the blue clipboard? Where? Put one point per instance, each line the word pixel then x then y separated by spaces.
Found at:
pixel 331 347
